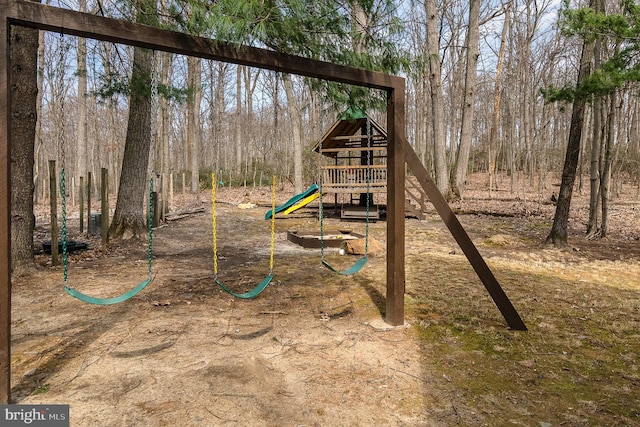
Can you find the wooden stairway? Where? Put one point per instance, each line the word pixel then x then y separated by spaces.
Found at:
pixel 416 199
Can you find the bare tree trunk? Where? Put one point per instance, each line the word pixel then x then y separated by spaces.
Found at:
pixel 454 82
pixel 296 119
pixel 161 124
pixel 596 144
pixel 193 120
pixel 275 125
pixel 38 138
pixel 594 170
pixel 493 133
pixel 462 161
pixel 110 141
pixel 558 233
pixel 164 124
pixel 254 140
pixel 437 100
pixel 420 137
pixel 238 122
pixel 24 55
pixel 81 132
pixel 633 139
pixel 605 180
pixel 546 133
pixel 527 128
pixel 218 113
pixel 129 219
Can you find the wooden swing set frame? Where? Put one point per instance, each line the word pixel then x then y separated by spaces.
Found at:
pixel 49 18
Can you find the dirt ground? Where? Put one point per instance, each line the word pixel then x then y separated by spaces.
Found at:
pixel 312 349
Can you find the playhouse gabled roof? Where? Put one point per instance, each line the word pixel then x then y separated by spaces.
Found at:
pixel 346 133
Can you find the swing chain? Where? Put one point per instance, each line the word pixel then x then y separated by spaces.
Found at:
pixel 369 169
pixel 150 225
pixel 63 183
pixel 154 95
pixel 65 268
pixel 214 225
pixel 273 224
pixel 320 206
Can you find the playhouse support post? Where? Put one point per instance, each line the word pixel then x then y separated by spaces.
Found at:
pixel 5 217
pixel 395 206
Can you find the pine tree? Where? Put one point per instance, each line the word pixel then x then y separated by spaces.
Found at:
pixel 621 30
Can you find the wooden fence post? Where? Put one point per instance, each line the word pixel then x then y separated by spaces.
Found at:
pixel 89 202
pixel 81 193
pixel 171 189
pixel 104 206
pixel 155 219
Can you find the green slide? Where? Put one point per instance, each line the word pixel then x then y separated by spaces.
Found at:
pixel 292 201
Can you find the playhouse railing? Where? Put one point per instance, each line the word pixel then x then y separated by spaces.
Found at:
pixel 353 178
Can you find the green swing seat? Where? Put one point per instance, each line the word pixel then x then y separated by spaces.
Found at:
pixel 107 301
pixel 357 266
pixel 247 295
pixel 113 300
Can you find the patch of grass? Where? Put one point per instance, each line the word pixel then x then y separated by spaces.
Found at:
pixel 541 225
pixel 506 367
pixel 42 389
pixel 577 365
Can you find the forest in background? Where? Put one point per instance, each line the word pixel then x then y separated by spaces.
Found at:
pixel 494 60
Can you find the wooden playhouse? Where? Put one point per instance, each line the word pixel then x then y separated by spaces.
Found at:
pixel 355 148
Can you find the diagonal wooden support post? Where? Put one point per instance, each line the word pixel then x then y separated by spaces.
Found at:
pixel 471 252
